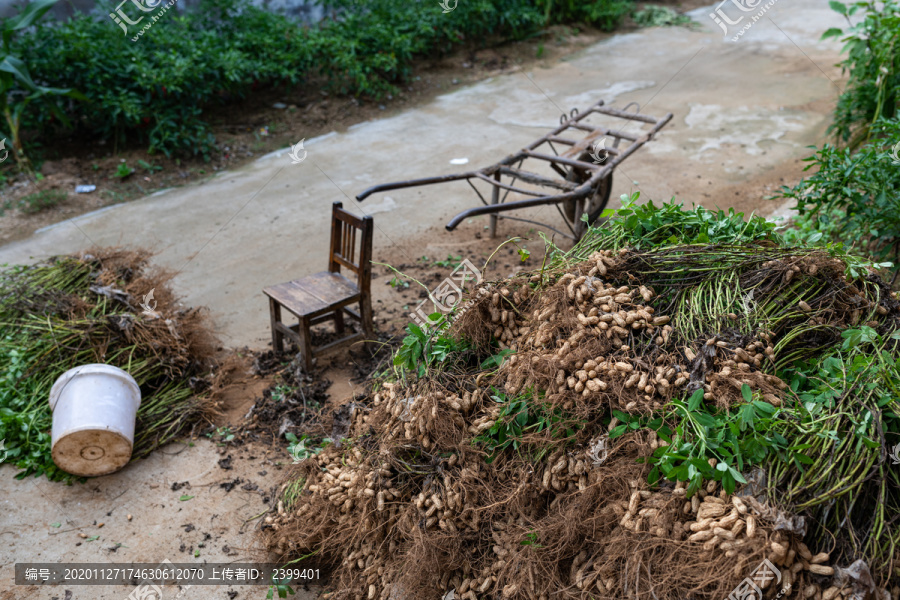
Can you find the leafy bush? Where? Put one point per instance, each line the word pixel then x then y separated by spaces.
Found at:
pixel 17 88
pixel 810 230
pixel 370 45
pixel 855 195
pixel 155 90
pixel 605 14
pixel 873 62
pixel 661 16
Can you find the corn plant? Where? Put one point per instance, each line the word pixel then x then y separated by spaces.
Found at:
pixel 17 88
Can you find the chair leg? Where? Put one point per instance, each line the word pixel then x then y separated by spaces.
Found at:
pixel 306 348
pixel 365 314
pixel 275 318
pixel 339 320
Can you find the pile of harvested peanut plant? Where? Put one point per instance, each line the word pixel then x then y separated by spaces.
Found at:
pixel 106 305
pixel 648 423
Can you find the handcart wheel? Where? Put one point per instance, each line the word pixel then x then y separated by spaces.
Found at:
pixel 599 200
pixel 593 205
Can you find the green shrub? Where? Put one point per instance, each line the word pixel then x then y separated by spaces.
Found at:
pixel 811 230
pixel 155 90
pixel 855 196
pixel 605 14
pixel 371 44
pixel 17 88
pixel 661 16
pixel 873 63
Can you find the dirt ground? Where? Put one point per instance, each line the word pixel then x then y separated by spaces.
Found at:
pixel 744 114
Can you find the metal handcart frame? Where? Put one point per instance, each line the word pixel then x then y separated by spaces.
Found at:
pixel 584 170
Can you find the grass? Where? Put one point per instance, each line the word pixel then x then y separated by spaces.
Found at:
pixel 38 201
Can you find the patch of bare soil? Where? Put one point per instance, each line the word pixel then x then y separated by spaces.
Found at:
pixel 241 385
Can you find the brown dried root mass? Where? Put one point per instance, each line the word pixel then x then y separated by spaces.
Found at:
pixel 181 338
pixel 394 528
pixel 413 509
pixel 398 521
pixel 588 342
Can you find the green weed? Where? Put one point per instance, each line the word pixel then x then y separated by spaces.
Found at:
pixel 451 262
pixel 38 201
pixel 123 171
pixel 150 168
pixel 281 588
pixel 223 433
pixel 282 392
pixel 299 450
pixel 398 283
pixel 520 416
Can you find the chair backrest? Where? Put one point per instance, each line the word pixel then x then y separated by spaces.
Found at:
pixel 346 231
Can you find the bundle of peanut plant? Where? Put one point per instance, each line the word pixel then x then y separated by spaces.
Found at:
pixel 74 310
pixel 637 419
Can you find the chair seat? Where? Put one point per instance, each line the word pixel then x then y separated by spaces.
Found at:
pixel 314 294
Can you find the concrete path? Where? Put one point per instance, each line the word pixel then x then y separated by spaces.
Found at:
pixel 744 113
pixel 179 504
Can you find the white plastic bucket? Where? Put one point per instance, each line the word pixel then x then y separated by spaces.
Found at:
pixel 94 407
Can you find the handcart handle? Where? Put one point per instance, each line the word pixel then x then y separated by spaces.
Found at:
pixel 581 192
pixel 413 183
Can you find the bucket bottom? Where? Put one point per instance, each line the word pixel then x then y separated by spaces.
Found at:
pixel 91 452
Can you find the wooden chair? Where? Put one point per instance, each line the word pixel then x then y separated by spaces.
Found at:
pixel 326 296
